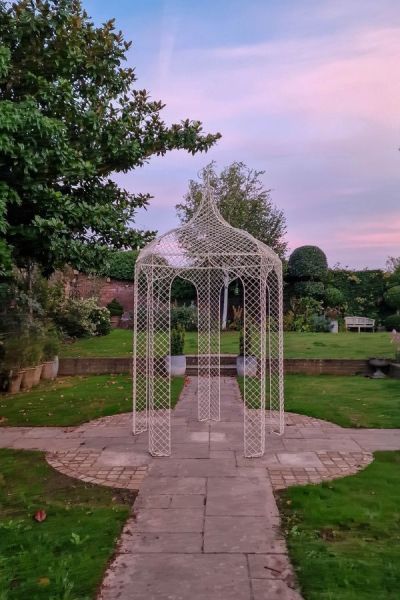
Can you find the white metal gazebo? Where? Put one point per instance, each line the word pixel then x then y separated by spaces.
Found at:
pixel 207 251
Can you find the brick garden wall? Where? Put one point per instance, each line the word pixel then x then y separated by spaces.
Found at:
pixel 85 286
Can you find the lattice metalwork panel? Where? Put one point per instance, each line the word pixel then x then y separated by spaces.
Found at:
pixel 207 251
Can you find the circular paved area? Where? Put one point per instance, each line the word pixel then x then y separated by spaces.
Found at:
pixel 115 469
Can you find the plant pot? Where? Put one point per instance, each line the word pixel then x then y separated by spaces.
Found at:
pixel 28 377
pixel 14 382
pixel 38 374
pixel 115 321
pixel 246 366
pixel 50 369
pixel 175 365
pixel 334 326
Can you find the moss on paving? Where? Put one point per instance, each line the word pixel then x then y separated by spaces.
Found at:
pixel 64 557
pixel 73 400
pixel 344 536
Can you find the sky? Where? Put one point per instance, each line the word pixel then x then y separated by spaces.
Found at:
pixel 306 90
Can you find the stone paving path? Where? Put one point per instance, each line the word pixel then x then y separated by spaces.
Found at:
pixel 206 525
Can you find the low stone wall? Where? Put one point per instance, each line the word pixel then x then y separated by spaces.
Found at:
pixel 104 365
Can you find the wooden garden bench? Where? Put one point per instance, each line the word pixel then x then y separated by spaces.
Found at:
pixel 359 323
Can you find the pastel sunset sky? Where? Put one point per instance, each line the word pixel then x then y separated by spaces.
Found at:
pixel 307 90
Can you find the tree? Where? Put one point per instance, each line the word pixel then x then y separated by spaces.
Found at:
pixel 244 202
pixel 71 116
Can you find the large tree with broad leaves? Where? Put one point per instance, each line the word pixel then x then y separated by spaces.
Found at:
pixel 71 116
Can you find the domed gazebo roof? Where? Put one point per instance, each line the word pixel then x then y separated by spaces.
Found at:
pixel 207 240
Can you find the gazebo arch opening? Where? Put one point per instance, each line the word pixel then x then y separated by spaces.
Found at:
pixel 209 253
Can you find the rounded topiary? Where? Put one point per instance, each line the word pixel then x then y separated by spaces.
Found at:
pixel 333 296
pixel 311 289
pixel 116 309
pixel 392 322
pixel 307 262
pixel 392 297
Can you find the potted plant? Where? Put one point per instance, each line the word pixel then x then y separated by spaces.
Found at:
pixel 33 366
pixel 176 361
pixel 246 363
pixel 12 361
pixel 116 311
pixel 50 355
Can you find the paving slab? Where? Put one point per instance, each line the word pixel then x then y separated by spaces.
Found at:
pixel 172 520
pixel 236 496
pixel 237 535
pixel 177 577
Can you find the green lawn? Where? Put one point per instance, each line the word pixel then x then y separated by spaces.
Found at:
pixel 297 345
pixel 73 400
pixel 347 401
pixel 64 557
pixel 344 535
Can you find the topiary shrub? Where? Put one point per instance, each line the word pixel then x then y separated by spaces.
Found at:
pixel 307 262
pixel 177 340
pixel 116 309
pixel 310 289
pixel 392 297
pixel 392 322
pixel 333 296
pixel 320 324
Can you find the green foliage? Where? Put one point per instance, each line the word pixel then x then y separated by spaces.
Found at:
pixel 183 291
pixel 362 291
pixel 51 346
pixel 71 116
pixel 333 297
pixel 320 324
pixel 312 289
pixel 243 201
pixel 83 318
pixel 392 297
pixel 307 262
pixel 185 316
pixel 116 309
pixel 392 322
pixel 300 316
pixel 246 341
pixel 177 340
pixel 120 265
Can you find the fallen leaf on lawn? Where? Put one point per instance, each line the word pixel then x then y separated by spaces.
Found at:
pixel 40 515
pixel 43 581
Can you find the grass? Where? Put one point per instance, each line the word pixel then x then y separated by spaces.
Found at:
pixel 73 400
pixel 346 401
pixel 64 557
pixel 344 536
pixel 297 345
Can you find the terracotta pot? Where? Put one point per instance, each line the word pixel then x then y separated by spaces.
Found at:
pixel 14 382
pixel 115 321
pixel 50 369
pixel 28 377
pixel 38 374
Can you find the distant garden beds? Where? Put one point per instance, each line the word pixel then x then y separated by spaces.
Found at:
pixel 350 345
